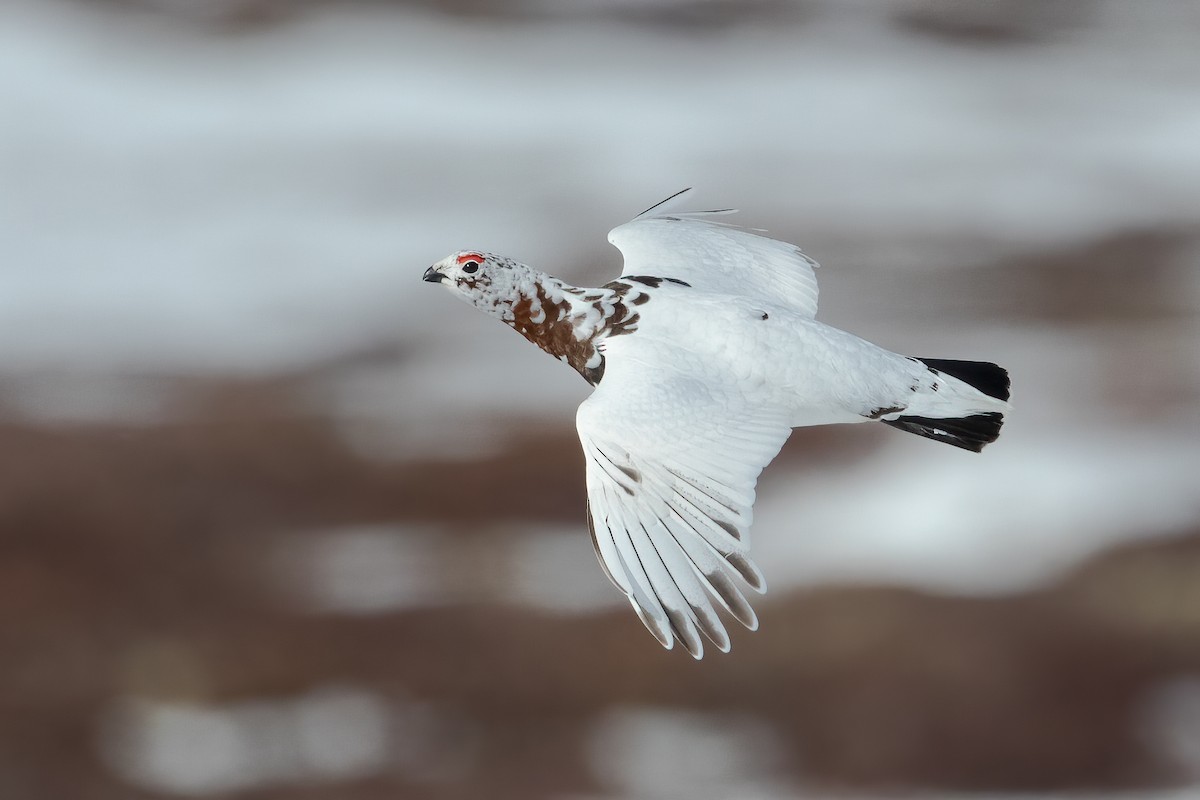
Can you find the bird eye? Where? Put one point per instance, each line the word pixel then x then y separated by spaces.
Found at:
pixel 471 267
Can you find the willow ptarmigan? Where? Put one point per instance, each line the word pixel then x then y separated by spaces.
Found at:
pixel 705 354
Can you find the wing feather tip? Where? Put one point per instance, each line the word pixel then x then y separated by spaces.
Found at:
pixel 662 203
pixel 685 632
pixel 710 625
pixel 749 571
pixel 659 632
pixel 720 642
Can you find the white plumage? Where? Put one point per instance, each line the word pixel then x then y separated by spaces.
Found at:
pixel 705 356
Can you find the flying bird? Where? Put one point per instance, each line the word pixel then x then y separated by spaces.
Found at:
pixel 704 355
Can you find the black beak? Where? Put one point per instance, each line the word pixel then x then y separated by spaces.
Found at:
pixel 432 275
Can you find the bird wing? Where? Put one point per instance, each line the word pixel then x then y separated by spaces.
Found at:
pixel 671 467
pixel 716 257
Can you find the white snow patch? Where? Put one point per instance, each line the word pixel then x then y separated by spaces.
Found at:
pixel 652 753
pixel 363 570
pixel 388 568
pixel 329 734
pixel 1037 505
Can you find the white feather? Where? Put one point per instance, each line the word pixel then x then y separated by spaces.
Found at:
pixel 717 257
pixel 669 536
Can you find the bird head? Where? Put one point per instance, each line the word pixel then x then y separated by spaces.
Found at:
pixel 484 280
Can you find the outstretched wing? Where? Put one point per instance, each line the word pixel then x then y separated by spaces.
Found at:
pixel 671 468
pixel 716 257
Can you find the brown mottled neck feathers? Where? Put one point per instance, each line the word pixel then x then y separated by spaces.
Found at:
pixel 569 323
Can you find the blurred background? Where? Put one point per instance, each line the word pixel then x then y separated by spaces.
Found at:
pixel 280 521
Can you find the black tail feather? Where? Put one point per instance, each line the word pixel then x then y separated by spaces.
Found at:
pixel 985 376
pixel 970 432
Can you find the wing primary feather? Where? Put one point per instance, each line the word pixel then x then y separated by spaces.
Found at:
pixel 669 594
pixel 625 473
pixel 748 571
pixel 737 604
pixel 704 614
pixel 707 492
pixel 711 525
pixel 678 194
pixel 663 635
pixel 710 514
pixel 715 631
pixel 714 571
pixel 690 583
pixel 600 550
pixel 642 591
pixel 661 203
pixel 716 477
pixel 685 631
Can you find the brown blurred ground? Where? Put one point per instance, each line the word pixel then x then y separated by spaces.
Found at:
pixel 132 566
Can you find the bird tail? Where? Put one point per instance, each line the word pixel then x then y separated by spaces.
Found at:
pixel 964 406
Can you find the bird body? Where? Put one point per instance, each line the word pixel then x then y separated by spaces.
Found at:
pixel 769 355
pixel 705 354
